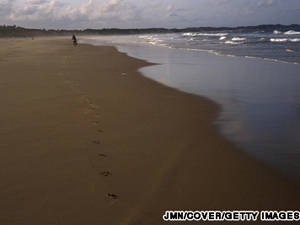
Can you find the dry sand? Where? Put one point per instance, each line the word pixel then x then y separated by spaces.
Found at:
pixel 80 122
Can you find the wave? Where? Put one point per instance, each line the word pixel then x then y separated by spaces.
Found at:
pixel 193 34
pixel 295 40
pixel 279 39
pixel 285 39
pixel 233 42
pixel 238 39
pixel 246 56
pixel 144 36
pixel 277 32
pixel 223 37
pixel 289 50
pixel 291 32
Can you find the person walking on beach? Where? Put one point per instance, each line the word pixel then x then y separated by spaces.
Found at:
pixel 74 40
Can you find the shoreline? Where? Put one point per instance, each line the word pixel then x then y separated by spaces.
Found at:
pixel 257 138
pixel 79 123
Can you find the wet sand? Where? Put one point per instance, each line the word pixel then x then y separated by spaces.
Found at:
pixel 86 139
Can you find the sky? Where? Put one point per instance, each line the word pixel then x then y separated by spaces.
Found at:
pixel 98 14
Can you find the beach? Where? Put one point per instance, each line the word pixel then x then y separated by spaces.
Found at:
pixel 86 139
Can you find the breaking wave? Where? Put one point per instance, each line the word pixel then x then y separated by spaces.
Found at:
pixel 277 32
pixel 285 39
pixel 238 39
pixel 291 32
pixel 233 42
pixel 194 34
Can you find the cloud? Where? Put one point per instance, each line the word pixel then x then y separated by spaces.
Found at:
pixel 266 3
pixel 113 12
pixel 217 3
pixel 6 8
pixel 36 2
pixel 37 10
pixel 169 8
pixel 248 12
pixel 116 10
pixel 80 14
pixel 155 4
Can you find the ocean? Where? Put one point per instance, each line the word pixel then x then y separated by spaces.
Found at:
pixel 253 74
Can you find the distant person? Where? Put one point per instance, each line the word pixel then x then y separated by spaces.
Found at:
pixel 74 40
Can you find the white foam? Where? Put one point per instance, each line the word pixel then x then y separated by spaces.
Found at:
pixel 190 34
pixel 291 32
pixel 232 42
pixel 295 40
pixel 238 39
pixel 277 32
pixel 223 37
pixel 278 39
pixel 193 34
pixel 144 36
pixel 289 50
pixel 285 39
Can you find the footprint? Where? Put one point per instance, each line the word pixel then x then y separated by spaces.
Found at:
pixel 93 105
pixel 96 142
pixel 102 155
pixel 95 123
pixel 87 111
pixel 112 195
pixel 99 131
pixel 105 174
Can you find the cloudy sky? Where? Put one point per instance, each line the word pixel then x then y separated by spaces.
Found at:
pixel 98 14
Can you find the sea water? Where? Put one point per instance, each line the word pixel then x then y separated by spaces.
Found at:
pixel 253 75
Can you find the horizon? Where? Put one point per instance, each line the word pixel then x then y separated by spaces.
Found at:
pixel 148 28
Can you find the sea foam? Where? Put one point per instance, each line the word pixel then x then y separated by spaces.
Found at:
pixel 285 39
pixel 238 39
pixel 277 32
pixel 204 34
pixel 291 32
